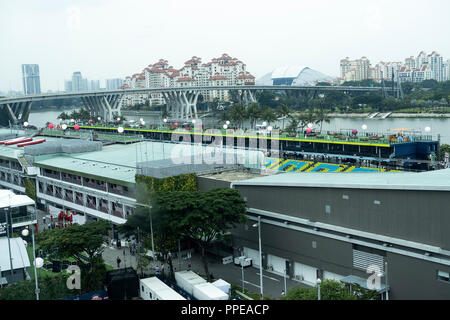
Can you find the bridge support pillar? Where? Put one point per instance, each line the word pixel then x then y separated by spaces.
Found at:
pixel 103 106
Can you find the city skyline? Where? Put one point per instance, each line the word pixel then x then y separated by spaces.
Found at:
pixel 289 33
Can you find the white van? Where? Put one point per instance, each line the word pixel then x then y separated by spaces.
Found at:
pixel 154 289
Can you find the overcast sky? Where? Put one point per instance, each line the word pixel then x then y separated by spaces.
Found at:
pixel 110 38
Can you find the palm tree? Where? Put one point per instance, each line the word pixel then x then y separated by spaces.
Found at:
pixel 237 114
pixel 268 114
pixel 293 124
pixel 321 116
pixel 253 113
pixel 284 111
pixel 306 118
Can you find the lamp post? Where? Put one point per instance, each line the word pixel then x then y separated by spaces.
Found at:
pixel 285 286
pixel 242 271
pixel 386 279
pixel 260 256
pixel 37 263
pixel 318 281
pixel 151 224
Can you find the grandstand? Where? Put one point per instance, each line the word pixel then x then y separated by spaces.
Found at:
pixel 290 165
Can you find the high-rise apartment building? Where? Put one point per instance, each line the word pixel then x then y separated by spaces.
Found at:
pixel 93 85
pixel 354 70
pixel 113 84
pixel 221 71
pixel 31 79
pixel 414 69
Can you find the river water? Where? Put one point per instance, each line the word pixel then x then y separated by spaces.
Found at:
pixel 437 125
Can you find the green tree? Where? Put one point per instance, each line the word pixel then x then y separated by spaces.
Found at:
pixel 294 122
pixel 51 288
pixel 321 116
pixel 331 290
pixel 443 149
pixel 284 111
pixel 236 113
pixel 203 217
pixel 82 243
pixel 253 113
pixel 268 114
pixel 165 235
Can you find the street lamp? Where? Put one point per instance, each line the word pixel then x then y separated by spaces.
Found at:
pixel 364 127
pixel 151 224
pixel 260 256
pixel 120 129
pixel 38 262
pixel 227 122
pixel 225 126
pixel 385 274
pixel 318 281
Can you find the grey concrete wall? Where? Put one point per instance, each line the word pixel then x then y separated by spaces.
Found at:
pixel 205 184
pixel 420 216
pixel 411 278
pixel 329 254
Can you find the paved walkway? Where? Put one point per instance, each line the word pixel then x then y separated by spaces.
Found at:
pixel 273 283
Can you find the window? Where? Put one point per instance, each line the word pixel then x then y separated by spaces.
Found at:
pixel 443 276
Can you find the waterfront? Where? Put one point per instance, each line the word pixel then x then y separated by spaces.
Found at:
pixel 437 125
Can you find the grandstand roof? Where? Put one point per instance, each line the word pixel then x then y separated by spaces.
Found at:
pixel 431 180
pixel 301 75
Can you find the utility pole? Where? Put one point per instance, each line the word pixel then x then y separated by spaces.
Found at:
pixel 8 221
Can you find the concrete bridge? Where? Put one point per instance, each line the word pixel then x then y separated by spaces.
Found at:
pixel 181 102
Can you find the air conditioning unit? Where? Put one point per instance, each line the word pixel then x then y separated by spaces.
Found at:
pixel 299 277
pixel 270 268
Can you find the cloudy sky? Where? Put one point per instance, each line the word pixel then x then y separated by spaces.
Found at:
pixel 110 38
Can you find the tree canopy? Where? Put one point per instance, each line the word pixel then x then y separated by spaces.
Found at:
pixel 82 243
pixel 331 290
pixel 200 216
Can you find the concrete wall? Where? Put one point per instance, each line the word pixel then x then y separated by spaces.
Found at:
pixel 205 184
pixel 420 216
pixel 329 254
pixel 409 278
pixel 412 278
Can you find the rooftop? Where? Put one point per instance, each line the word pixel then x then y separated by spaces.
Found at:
pixel 431 180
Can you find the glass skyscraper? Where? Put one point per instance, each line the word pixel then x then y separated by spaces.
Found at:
pixel 31 80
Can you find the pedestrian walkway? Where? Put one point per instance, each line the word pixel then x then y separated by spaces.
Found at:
pixel 273 284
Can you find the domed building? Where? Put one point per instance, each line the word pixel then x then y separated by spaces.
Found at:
pixel 293 76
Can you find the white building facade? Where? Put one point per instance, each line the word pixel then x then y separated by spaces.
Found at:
pixel 221 71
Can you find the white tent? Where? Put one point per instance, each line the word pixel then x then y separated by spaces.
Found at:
pixel 18 253
pixel 222 285
pixel 12 200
